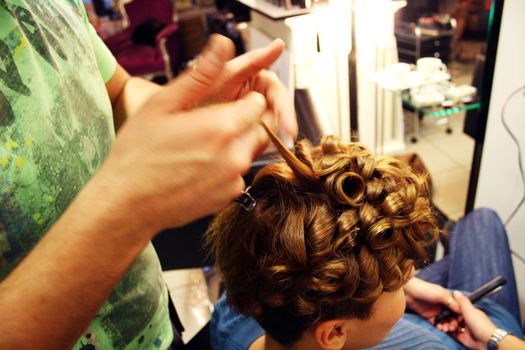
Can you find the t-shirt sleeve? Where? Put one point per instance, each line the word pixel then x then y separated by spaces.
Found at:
pixel 106 62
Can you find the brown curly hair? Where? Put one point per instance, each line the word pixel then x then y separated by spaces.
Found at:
pixel 333 228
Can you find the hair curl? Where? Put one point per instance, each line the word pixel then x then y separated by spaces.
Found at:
pixel 332 230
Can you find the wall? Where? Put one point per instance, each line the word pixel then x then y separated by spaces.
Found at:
pixel 380 116
pixel 500 185
pixel 317 49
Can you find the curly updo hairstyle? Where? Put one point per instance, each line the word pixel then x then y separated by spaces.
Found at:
pixel 332 230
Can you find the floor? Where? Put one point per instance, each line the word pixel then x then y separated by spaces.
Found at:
pixel 188 290
pixel 448 157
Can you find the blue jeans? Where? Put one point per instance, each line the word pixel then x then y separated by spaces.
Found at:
pixel 479 251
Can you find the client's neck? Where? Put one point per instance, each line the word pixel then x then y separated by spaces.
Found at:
pixel 272 344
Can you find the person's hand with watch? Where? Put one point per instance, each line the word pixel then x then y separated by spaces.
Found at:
pixel 479 332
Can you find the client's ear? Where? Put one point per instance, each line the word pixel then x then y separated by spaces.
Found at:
pixel 331 335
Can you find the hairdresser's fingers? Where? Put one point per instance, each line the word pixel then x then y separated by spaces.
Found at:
pixel 220 195
pixel 244 113
pixel 220 128
pixel 252 143
pixel 237 185
pixel 249 64
pixel 280 103
pixel 196 83
pixel 242 135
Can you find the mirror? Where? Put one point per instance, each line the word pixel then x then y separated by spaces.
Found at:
pixel 442 118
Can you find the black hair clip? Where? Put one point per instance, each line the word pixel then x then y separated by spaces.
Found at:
pixel 246 200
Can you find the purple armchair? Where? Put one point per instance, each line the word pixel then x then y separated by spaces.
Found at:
pixel 140 59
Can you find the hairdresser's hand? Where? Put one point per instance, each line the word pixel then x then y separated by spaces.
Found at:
pixel 248 73
pixel 170 164
pixel 476 327
pixel 428 299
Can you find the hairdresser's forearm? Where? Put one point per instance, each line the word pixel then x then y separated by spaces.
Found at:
pixel 52 296
pixel 128 94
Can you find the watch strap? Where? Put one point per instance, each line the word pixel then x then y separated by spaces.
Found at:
pixel 495 338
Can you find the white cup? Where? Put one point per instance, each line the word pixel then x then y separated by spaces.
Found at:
pixel 429 66
pixel 398 72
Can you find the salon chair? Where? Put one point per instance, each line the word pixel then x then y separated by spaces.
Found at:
pixel 161 53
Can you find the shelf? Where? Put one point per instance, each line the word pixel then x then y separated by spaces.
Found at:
pixel 440 111
pixel 414 79
pixel 272 11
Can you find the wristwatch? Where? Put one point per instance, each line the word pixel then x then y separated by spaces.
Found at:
pixel 495 338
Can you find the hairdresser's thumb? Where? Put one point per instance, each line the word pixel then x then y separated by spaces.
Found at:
pixel 196 83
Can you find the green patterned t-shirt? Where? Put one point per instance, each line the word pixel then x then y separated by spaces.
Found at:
pixel 56 130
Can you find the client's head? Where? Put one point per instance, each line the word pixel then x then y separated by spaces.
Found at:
pixel 322 257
